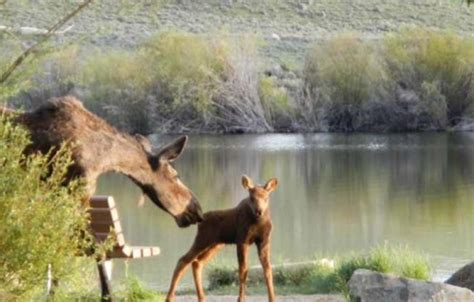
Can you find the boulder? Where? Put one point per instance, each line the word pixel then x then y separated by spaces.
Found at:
pixel 371 286
pixel 464 277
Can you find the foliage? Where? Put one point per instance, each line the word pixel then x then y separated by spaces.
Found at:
pixel 345 74
pixel 80 289
pixel 319 277
pixel 414 80
pixel 179 82
pixel 18 81
pixel 117 87
pixel 8 77
pixel 135 291
pixel 41 221
pixel 346 68
pixel 416 56
pixel 276 104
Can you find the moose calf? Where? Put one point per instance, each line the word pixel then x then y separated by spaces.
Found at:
pixel 249 222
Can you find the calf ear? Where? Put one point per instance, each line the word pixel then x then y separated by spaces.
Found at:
pixel 173 150
pixel 271 185
pixel 247 183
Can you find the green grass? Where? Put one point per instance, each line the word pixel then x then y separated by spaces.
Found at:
pixel 320 278
pixel 130 290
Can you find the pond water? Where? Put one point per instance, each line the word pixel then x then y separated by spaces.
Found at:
pixel 338 193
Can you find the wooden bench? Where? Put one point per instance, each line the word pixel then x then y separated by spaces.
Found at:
pixel 104 220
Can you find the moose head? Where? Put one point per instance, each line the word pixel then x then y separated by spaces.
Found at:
pixel 162 185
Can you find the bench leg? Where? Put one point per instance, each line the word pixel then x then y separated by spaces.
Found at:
pixel 104 276
pixel 51 283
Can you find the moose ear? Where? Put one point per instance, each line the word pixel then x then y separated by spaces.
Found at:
pixel 247 183
pixel 271 185
pixel 145 142
pixel 173 150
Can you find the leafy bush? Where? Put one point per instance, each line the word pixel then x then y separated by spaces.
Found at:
pixel 117 87
pixel 345 74
pixel 276 103
pixel 41 221
pixel 417 57
pixel 179 82
pixel 412 80
pixel 135 291
pixel 167 83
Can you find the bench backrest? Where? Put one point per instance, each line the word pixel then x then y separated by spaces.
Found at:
pixel 104 219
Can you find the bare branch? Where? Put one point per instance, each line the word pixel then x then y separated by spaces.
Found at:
pixel 50 32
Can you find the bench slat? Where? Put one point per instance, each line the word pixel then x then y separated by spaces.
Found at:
pixel 104 216
pixel 104 219
pixel 106 227
pixel 134 252
pixel 101 201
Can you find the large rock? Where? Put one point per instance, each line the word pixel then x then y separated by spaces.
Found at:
pixel 464 277
pixel 372 286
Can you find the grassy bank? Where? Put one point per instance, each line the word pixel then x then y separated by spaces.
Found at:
pixel 414 80
pixel 320 276
pixel 323 276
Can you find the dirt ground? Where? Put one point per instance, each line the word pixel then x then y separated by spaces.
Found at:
pixel 294 298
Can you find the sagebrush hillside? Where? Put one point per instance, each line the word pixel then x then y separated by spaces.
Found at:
pixel 288 27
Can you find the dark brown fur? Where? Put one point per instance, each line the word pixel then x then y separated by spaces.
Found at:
pixel 99 148
pixel 248 223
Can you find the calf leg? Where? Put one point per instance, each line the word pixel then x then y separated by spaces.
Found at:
pixel 181 268
pixel 264 255
pixel 198 266
pixel 242 255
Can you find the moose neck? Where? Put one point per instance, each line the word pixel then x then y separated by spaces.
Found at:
pixel 127 156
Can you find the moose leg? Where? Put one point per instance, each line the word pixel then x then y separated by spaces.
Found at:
pixel 242 255
pixel 198 265
pixel 183 263
pixel 264 255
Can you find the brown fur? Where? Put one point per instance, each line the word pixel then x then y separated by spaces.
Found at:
pixel 248 223
pixel 99 148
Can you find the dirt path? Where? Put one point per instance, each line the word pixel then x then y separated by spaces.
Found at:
pixel 294 298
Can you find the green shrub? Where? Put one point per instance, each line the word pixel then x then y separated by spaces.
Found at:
pixel 398 260
pixel 116 89
pixel 42 222
pixel 276 104
pixel 418 56
pixel 135 291
pixel 180 82
pixel 221 277
pixel 344 74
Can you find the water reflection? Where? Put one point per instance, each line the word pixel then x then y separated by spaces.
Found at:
pixel 338 193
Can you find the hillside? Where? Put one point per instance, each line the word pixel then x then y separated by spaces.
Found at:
pixel 288 27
